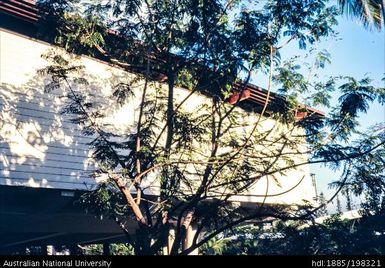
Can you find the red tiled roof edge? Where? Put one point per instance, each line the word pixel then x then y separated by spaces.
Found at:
pixel 259 96
pixel 22 9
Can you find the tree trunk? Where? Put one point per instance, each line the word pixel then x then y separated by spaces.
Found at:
pixel 188 242
pixel 170 110
pixel 170 242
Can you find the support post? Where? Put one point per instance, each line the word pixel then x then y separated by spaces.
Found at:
pixel 190 234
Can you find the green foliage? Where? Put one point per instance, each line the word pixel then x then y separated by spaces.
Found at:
pixel 215 246
pixel 292 81
pixel 115 249
pixel 93 249
pixel 370 12
pixel 322 96
pixel 356 96
pixel 333 237
pixel 121 249
pixel 322 58
pixel 72 31
pixel 185 79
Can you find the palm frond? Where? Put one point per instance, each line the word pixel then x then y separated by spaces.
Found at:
pixel 370 12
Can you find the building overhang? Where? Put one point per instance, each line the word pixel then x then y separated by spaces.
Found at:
pixel 41 216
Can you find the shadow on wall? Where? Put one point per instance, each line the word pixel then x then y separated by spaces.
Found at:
pixel 39 146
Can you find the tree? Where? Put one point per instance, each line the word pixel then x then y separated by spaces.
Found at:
pixel 197 157
pixel 370 12
pixel 346 193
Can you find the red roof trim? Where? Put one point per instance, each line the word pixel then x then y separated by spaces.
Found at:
pixel 23 9
pixel 259 96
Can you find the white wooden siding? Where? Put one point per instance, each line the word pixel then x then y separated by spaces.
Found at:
pixel 39 147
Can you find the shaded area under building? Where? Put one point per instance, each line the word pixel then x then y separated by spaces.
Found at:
pixel 41 216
